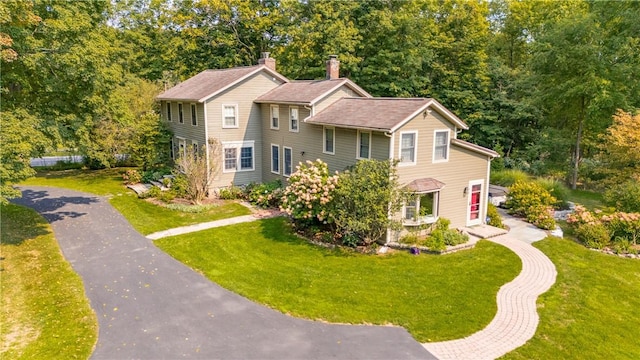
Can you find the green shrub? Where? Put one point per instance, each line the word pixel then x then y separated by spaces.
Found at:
pixel 558 190
pixel 442 224
pixel 265 195
pixel 595 236
pixel 454 237
pixel 231 192
pixel 179 185
pixel 153 192
pixel 541 216
pixel 524 195
pixel 623 246
pixel 435 241
pixel 494 216
pixel 350 240
pixel 166 196
pixel 624 197
pixel 410 239
pixel 131 176
pixel 623 225
pixel 193 209
pixel 508 177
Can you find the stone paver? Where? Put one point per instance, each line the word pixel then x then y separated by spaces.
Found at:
pixel 517 317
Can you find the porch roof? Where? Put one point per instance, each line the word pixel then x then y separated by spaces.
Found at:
pixel 425 185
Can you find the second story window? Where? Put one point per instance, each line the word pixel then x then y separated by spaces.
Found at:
pixel 180 114
pixel 275 117
pixel 168 111
pixel 441 146
pixel 408 148
pixel 293 119
pixel 194 115
pixel 229 116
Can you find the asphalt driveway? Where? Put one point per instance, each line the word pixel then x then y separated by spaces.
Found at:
pixel 150 306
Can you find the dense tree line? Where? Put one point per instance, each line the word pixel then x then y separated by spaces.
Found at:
pixel 539 81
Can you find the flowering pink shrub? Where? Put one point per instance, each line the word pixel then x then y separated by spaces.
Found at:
pixel 618 226
pixel 581 216
pixel 309 193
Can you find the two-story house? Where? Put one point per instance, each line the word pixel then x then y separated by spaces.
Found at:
pixel 267 124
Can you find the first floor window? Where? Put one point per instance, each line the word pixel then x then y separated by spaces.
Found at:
pixel 288 159
pixel 329 140
pixel 230 159
pixel 194 147
pixel 239 156
pixel 275 159
pixel 194 115
pixel 408 148
pixel 422 208
pixel 180 114
pixel 410 209
pixel 364 144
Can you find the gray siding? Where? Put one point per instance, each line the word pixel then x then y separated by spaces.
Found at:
pixel 463 166
pixel 187 131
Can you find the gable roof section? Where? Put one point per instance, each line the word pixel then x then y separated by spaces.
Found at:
pixel 425 185
pixel 209 83
pixel 307 92
pixel 382 114
pixel 473 147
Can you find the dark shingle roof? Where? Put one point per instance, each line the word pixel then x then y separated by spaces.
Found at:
pixel 307 92
pixel 425 185
pixel 382 114
pixel 210 82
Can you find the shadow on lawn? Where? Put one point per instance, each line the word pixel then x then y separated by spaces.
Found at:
pixel 48 206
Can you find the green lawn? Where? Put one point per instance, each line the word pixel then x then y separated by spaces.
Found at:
pixel 592 312
pixel 589 199
pixel 434 297
pixel 44 313
pixel 143 215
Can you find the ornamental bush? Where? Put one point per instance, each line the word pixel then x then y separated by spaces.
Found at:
pixel 624 197
pixel 494 216
pixel 265 195
pixel 593 235
pixel 524 195
pixel 541 216
pixel 308 196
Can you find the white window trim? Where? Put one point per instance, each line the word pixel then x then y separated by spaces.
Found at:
pixel 238 145
pixel 180 113
pixel 194 113
pixel 297 120
pixel 418 221
pixel 169 111
pixel 415 149
pixel 277 148
pixel 271 117
pixel 324 140
pixel 284 165
pixel 237 125
pixel 433 158
pixel 358 145
pixel 181 141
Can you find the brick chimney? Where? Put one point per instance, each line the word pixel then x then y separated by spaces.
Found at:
pixel 267 61
pixel 333 67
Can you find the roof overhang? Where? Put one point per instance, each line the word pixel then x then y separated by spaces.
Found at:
pixel 434 104
pixel 476 148
pixel 425 185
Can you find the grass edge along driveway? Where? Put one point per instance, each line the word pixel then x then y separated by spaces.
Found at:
pixel 434 297
pixel 592 310
pixel 144 216
pixel 44 311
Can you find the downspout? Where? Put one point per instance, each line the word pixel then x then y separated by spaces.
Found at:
pixel 391 145
pixel 486 191
pixel 206 140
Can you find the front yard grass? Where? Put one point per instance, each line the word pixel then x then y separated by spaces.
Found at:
pixel 592 310
pixel 144 216
pixel 44 311
pixel 434 297
pixel 589 199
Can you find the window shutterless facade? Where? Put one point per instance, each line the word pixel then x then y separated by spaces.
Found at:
pixel 180 113
pixel 364 144
pixel 275 159
pixel 168 111
pixel 408 147
pixel 329 140
pixel 229 116
pixel 238 156
pixel 288 160
pixel 293 119
pixel 194 115
pixel 441 146
pixel 275 117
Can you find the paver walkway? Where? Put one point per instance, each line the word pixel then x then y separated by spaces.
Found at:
pixel 150 306
pixel 517 317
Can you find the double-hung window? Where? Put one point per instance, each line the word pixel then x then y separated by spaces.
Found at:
pixel 275 159
pixel 288 160
pixel 168 111
pixel 293 119
pixel 238 156
pixel 194 115
pixel 441 146
pixel 408 145
pixel 329 140
pixel 229 116
pixel 364 144
pixel 180 114
pixel 275 117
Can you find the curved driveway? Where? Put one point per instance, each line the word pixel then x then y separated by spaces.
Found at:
pixel 150 306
